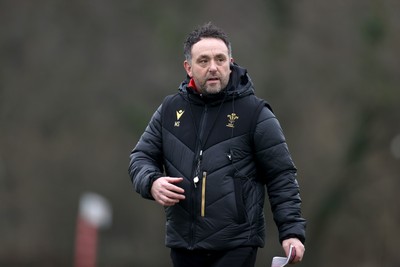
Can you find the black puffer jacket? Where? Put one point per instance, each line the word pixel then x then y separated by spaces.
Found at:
pixel 234 145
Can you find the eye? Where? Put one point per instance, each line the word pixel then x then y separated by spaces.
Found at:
pixel 203 61
pixel 221 60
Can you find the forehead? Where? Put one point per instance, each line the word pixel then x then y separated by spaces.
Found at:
pixel 209 47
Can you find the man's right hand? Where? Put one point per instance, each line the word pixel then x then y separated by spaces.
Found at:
pixel 165 192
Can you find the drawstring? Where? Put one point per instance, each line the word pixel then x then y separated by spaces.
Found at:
pixel 198 165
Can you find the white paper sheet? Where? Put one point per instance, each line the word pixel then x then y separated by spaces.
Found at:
pixel 282 261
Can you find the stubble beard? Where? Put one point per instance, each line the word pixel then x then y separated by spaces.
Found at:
pixel 212 90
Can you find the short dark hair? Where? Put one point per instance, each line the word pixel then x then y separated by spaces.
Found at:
pixel 207 30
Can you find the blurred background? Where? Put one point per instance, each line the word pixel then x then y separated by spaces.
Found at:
pixel 79 81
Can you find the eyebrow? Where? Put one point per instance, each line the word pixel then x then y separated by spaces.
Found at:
pixel 215 56
pixel 203 56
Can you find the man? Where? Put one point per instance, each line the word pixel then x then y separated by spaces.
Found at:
pixel 208 154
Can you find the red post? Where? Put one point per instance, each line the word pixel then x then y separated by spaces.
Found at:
pixel 94 213
pixel 85 243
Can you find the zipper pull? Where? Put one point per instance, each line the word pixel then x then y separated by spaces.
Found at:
pixel 203 195
pixel 195 181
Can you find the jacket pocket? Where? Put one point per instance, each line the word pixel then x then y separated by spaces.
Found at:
pixel 240 207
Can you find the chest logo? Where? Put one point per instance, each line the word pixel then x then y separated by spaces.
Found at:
pixel 179 114
pixel 231 120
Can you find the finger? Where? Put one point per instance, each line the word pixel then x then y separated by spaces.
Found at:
pixel 173 195
pixel 171 190
pixel 166 196
pixel 174 180
pixel 298 257
pixel 165 188
pixel 171 184
pixel 293 255
pixel 165 201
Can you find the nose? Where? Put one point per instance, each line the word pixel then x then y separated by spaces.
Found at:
pixel 213 66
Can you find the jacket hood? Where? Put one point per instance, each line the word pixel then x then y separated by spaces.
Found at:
pixel 239 85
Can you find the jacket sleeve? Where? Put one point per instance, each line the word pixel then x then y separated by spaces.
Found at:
pixel 278 171
pixel 146 158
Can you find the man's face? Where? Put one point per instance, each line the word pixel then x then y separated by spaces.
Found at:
pixel 209 66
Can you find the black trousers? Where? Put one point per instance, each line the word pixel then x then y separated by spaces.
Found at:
pixel 238 257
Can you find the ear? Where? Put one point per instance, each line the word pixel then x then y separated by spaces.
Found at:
pixel 232 60
pixel 188 68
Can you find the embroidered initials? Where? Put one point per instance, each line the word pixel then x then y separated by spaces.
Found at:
pixel 179 114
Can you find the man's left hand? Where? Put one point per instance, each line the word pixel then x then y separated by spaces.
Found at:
pixel 298 248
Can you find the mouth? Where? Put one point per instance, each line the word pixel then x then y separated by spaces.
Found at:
pixel 212 79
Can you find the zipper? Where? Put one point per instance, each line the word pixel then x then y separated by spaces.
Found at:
pixel 199 149
pixel 203 195
pixel 197 168
pixel 196 179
